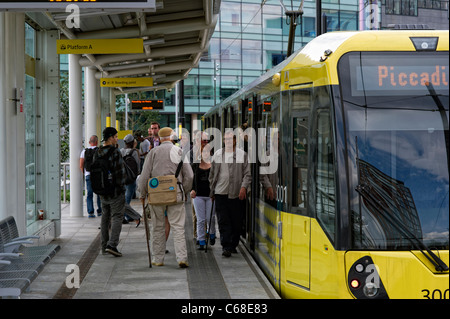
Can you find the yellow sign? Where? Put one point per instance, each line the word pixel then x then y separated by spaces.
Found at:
pixel 126 82
pixel 121 134
pixel 100 46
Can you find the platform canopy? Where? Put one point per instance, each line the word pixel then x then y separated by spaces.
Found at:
pixel 175 34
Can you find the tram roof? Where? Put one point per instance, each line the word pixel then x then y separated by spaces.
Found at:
pixel 338 42
pixel 175 33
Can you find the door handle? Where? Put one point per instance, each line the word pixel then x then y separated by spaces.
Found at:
pixel 285 195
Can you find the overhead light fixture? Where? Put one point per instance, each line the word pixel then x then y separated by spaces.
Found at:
pixel 133 65
pixel 154 41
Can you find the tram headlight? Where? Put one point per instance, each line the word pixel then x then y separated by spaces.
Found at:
pixel 370 289
pixel 359 268
pixel 354 283
pixel 425 43
pixel 364 281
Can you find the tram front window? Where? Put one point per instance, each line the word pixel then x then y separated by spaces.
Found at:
pixel 398 164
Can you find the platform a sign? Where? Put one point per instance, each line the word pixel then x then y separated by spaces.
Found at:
pixel 100 46
pixel 126 82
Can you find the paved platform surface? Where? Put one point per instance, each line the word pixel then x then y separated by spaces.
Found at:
pixel 209 276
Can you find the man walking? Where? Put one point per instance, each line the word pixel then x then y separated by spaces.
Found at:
pixel 85 162
pixel 159 163
pixel 113 205
pixel 229 180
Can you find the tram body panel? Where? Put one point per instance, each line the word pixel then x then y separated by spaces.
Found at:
pixel 320 276
pixel 404 274
pixel 267 243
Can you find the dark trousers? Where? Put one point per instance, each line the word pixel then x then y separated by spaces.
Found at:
pixel 229 217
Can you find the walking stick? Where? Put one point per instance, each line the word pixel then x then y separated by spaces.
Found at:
pixel 147 234
pixel 209 228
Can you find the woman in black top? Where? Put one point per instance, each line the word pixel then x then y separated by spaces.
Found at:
pixel 200 197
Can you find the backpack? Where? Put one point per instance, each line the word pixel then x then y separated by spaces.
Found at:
pixel 131 168
pixel 88 157
pixel 101 179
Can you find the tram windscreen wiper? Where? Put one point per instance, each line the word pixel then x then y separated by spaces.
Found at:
pixel 365 191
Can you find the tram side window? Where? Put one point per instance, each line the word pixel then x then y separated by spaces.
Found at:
pixel 300 169
pixel 325 182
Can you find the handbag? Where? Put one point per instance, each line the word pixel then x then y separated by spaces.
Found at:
pixel 162 190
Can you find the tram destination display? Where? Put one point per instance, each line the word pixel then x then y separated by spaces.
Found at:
pixel 147 105
pixel 394 74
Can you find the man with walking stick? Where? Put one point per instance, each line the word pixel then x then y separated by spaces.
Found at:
pixel 161 164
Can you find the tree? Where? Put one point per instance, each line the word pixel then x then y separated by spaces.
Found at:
pixel 137 120
pixel 64 116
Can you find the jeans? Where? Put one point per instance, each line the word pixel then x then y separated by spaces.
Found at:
pixel 90 198
pixel 129 192
pixel 203 212
pixel 113 209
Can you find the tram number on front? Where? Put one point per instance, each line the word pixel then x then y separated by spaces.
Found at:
pixel 435 294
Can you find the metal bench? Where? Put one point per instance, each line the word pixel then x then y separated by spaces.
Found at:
pixel 16 244
pixel 20 264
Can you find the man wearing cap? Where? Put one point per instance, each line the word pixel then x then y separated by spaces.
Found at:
pixel 130 149
pixel 113 206
pixel 161 161
pixel 144 148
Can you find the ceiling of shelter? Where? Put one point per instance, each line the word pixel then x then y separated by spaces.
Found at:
pixel 175 35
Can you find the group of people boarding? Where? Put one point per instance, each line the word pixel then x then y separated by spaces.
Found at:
pixel 217 184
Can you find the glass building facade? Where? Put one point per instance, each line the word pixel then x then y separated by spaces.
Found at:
pixel 250 38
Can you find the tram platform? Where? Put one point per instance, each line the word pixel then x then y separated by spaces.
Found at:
pixel 209 275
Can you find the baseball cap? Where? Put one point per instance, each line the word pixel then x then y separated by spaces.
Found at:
pixel 108 132
pixel 128 139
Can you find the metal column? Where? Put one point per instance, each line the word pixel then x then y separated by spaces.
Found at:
pixel 3 105
pixel 91 104
pixel 75 136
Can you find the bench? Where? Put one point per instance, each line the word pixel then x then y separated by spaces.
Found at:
pixel 20 264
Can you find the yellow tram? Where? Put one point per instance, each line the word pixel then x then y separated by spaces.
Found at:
pixel 362 178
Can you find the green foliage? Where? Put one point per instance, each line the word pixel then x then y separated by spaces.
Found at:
pixel 64 116
pixel 137 120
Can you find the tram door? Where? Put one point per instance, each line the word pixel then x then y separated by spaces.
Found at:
pixel 296 238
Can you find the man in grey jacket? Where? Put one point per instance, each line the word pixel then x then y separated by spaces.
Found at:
pixel 229 180
pixel 161 161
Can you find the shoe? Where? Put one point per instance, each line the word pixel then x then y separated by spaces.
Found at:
pixel 113 251
pixel 99 214
pixel 167 251
pixel 91 216
pixel 226 253
pixel 212 239
pixel 201 245
pixel 124 221
pixel 139 222
pixel 183 264
pixel 157 264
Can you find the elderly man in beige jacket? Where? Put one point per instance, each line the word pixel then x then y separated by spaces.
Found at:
pixel 160 161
